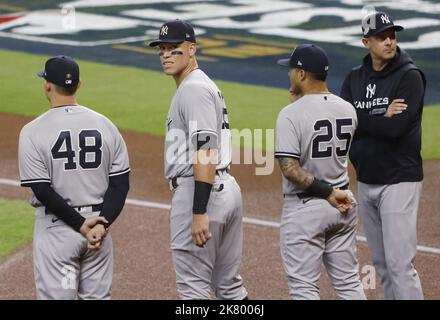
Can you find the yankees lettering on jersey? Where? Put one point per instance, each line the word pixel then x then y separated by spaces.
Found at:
pixel 76 150
pixel 197 116
pixel 317 129
pixel 376 105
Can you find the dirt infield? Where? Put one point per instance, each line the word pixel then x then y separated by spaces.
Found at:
pixel 143 268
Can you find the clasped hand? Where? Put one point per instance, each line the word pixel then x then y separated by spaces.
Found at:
pixel 340 200
pixel 94 232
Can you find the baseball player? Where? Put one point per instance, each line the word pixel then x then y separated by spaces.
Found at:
pixel 387 91
pixel 206 210
pixel 319 218
pixel 76 162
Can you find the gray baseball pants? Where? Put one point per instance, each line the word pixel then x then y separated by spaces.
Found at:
pixel 389 215
pixel 215 267
pixel 64 268
pixel 313 232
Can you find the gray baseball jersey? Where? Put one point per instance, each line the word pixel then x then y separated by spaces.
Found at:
pixel 197 112
pixel 76 150
pixel 317 129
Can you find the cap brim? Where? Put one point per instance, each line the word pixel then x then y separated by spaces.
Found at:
pixel 284 62
pixel 395 27
pixel 40 74
pixel 157 42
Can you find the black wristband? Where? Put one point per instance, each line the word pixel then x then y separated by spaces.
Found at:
pixel 202 191
pixel 103 223
pixel 319 189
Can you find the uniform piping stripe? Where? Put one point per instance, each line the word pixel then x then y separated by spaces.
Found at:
pixel 117 173
pixel 202 131
pixel 253 221
pixel 35 180
pixel 287 154
pixel 26 183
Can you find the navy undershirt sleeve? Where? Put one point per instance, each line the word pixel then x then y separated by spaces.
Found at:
pixel 57 205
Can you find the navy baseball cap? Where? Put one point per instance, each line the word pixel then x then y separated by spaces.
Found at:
pixel 307 57
pixel 175 31
pixel 61 70
pixel 377 22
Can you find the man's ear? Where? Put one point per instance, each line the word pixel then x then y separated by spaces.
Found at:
pixel 302 74
pixel 47 86
pixel 192 49
pixel 366 43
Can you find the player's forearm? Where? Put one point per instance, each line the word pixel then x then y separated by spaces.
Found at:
pixel 114 198
pixel 204 165
pixel 57 205
pixel 293 171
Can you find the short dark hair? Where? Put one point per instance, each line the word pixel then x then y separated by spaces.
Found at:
pixel 66 91
pixel 318 76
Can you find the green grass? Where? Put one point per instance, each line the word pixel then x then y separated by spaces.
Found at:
pixel 137 99
pixel 431 133
pixel 132 98
pixel 16 225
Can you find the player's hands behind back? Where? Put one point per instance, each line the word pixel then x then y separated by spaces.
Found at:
pixel 340 200
pixel 96 236
pixel 200 229
pixel 93 231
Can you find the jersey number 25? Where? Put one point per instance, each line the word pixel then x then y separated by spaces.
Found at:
pixel 317 152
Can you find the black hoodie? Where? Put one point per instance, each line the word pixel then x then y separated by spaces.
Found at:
pixel 386 150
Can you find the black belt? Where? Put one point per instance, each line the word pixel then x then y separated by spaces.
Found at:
pixel 95 207
pixel 303 195
pixel 174 180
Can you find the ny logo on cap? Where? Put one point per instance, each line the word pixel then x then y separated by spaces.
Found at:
pixel 164 30
pixel 299 63
pixel 385 19
pixel 371 90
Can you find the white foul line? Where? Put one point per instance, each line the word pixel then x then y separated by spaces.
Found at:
pixel 9 182
pixel 254 221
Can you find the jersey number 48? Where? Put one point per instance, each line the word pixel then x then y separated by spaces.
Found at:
pixel 58 152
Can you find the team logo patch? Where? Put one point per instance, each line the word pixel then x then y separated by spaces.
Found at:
pixel 371 90
pixel 385 19
pixel 164 31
